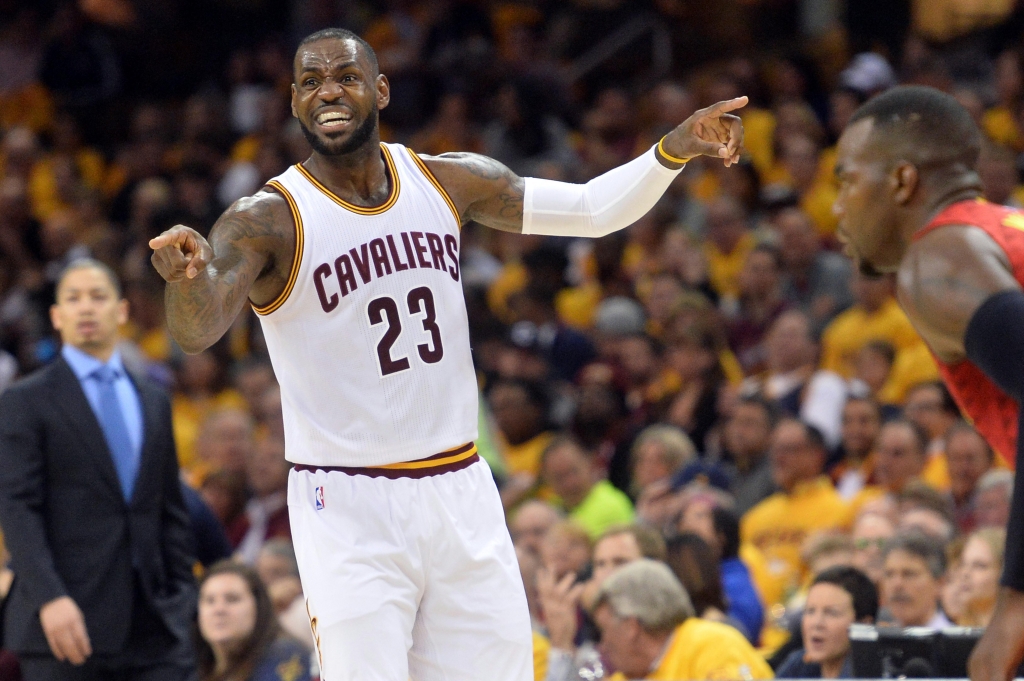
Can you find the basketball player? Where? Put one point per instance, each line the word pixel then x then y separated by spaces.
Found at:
pixel 351 260
pixel 910 203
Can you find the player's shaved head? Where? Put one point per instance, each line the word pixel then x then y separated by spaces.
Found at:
pixel 340 34
pixel 921 125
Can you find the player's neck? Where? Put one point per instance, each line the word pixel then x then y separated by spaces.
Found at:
pixel 359 176
pixel 964 187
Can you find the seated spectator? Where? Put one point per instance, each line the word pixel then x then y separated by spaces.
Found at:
pixel 862 421
pixel 650 631
pixel 658 452
pixel 520 409
pixel 695 563
pixel 279 571
pixel 923 509
pixel 760 302
pixel 981 566
pixel 870 533
pixel 223 440
pixel 900 458
pixel 590 500
pixel 826 550
pixel 992 499
pixel 226 494
pixel 741 596
pixel 838 597
pixel 806 503
pixel 931 407
pixel 266 514
pixel 565 549
pixel 912 572
pixel 729 241
pixel 746 436
pixel 530 523
pixel 968 457
pixel 237 634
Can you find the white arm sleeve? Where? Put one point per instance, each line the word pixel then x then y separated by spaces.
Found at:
pixel 607 203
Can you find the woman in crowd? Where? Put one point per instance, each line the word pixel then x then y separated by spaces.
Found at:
pixel 981 563
pixel 238 638
pixel 838 597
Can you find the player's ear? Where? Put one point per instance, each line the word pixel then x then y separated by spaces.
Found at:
pixel 294 94
pixel 905 178
pixel 383 91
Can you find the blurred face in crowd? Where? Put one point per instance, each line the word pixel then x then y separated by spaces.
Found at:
pixel 563 551
pixel 968 457
pixel 798 241
pixel 570 473
pixel 651 464
pixel 699 518
pixel 336 95
pixel 88 312
pixel 517 417
pixel 979 575
pixel 899 457
pixel 827 616
pixel 272 567
pixel 612 552
pixel 225 440
pixel 266 467
pixel 789 343
pixel 747 432
pixel 927 521
pixel 992 506
pixel 530 523
pixel 759 277
pixel 870 533
pixel 923 406
pixel 909 589
pixel 621 643
pixel 227 611
pixel 794 458
pixel 860 426
pixel 638 359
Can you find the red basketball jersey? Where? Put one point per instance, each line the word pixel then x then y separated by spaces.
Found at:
pixel 993 412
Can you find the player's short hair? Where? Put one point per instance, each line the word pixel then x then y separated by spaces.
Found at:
pixel 862 590
pixel 341 34
pixel 648 540
pixel 922 125
pixel 90 264
pixel 647 590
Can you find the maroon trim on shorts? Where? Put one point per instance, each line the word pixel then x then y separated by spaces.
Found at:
pixel 397 473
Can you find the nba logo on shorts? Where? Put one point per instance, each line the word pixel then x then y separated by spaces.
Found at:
pixel 319 498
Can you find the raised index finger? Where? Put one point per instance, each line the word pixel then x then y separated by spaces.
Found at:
pixel 175 238
pixel 719 108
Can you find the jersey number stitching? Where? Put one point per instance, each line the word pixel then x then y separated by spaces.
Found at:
pixel 420 300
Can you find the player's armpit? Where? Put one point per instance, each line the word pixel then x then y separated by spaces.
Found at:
pixel 251 242
pixel 483 190
pixel 947 275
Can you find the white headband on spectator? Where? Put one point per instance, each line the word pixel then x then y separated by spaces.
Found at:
pixel 607 203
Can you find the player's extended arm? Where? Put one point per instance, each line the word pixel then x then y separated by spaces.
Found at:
pixel 208 281
pixel 487 192
pixel 958 287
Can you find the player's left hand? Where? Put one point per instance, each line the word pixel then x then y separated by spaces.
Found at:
pixel 712 131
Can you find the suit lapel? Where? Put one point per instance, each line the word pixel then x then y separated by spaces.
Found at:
pixel 76 408
pixel 148 463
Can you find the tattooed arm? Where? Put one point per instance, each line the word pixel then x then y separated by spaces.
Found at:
pixel 945 278
pixel 248 255
pixel 486 191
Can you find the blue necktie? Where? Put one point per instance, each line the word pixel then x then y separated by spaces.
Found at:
pixel 126 459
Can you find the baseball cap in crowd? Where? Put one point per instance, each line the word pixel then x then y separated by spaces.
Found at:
pixel 620 316
pixel 704 472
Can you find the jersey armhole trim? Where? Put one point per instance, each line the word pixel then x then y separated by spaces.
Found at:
pixel 437 185
pixel 293 275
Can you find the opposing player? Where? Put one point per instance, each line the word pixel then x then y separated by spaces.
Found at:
pixel 910 203
pixel 351 260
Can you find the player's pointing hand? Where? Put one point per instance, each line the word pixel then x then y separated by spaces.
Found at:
pixel 180 252
pixel 712 131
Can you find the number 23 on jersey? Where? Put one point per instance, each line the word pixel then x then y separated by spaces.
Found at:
pixel 385 310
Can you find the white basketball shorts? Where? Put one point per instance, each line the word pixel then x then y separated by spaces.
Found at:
pixel 409 572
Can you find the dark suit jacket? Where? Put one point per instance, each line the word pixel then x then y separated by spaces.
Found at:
pixel 67 525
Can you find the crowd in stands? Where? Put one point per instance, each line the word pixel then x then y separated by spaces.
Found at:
pixel 712 396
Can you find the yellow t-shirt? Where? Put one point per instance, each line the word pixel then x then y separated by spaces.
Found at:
pixel 779 525
pixel 541 652
pixel 1001 127
pixel 769 587
pixel 724 268
pixel 525 457
pixel 852 330
pixel 701 649
pixel 912 366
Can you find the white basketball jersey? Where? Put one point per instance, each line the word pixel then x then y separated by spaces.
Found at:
pixel 370 338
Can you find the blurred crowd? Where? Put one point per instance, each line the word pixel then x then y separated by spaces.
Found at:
pixel 713 389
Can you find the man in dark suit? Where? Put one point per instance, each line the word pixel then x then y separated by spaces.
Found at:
pixel 91 506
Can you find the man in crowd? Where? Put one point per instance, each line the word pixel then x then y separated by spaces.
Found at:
pixel 912 572
pixel 747 435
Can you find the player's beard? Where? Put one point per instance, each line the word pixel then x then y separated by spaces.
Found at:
pixel 357 139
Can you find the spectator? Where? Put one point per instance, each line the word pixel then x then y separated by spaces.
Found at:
pixel 266 514
pixel 806 503
pixel 760 302
pixel 279 572
pixel 530 522
pixel 838 597
pixel 741 596
pixel 565 549
pixel 729 242
pixel 695 563
pixel 931 407
pixel 862 421
pixel 981 566
pixel 91 506
pixel 589 500
pixel 992 499
pixel 520 411
pixel 224 439
pixel 899 459
pixel 650 631
pixel 237 635
pixel 746 437
pixel 968 457
pixel 912 573
pixel 870 534
pixel 658 453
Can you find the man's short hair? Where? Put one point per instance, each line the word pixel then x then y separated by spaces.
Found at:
pixel 916 543
pixel 92 264
pixel 647 590
pixel 922 125
pixel 921 438
pixel 768 408
pixel 854 582
pixel 679 448
pixel 648 540
pixel 997 478
pixel 341 34
pixel 814 436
